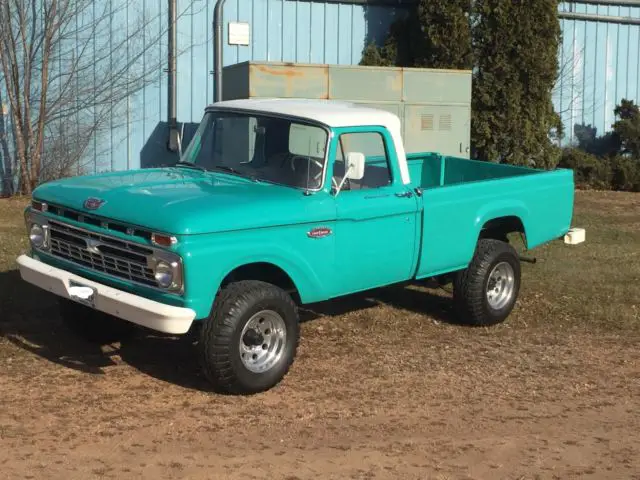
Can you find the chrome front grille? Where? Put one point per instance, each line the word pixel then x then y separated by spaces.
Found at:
pixel 110 255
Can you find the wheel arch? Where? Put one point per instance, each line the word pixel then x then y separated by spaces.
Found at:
pixel 264 271
pixel 499 227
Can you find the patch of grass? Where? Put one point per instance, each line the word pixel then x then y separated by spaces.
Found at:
pixel 595 284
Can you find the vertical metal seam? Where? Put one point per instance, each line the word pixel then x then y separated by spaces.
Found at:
pixel 253 15
pixel 77 88
pixel 324 39
pixel 562 79
pixel 310 30
pixel 606 64
pixel 584 71
pixel 111 83
pixel 573 76
pixel 127 93
pixel 144 69
pixel 295 44
pixel 595 75
pixel 638 71
pixel 95 132
pixel 160 56
pixel 615 91
pixel 628 81
pixel 267 29
pixel 191 76
pixel 207 43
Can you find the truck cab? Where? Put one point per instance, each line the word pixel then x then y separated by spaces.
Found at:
pixel 277 203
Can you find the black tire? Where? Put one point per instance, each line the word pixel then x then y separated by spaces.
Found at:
pixel 93 325
pixel 470 285
pixel 219 345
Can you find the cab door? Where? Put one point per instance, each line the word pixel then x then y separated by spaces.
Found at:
pixel 377 216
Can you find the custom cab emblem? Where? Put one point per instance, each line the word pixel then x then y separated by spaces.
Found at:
pixel 319 232
pixel 93 203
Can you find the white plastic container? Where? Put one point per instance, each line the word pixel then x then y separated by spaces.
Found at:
pixel 575 236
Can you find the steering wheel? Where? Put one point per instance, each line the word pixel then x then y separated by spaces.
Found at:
pixel 318 164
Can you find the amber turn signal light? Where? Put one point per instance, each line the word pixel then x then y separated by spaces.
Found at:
pixel 163 240
pixel 38 206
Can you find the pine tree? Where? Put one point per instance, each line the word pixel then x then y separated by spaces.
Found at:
pixel 445 39
pixel 627 128
pixel 515 49
pixel 434 34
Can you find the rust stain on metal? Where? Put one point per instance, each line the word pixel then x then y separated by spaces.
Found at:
pixel 397 82
pixel 290 73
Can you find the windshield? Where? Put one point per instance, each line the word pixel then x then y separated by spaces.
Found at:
pixel 260 147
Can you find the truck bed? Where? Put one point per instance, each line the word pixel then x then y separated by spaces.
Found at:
pixel 461 196
pixel 435 170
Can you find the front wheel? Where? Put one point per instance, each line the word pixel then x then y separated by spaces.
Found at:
pixel 248 343
pixel 486 292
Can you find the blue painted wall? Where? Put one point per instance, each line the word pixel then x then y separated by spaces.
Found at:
pixel 281 30
pixel 600 62
pixel 600 66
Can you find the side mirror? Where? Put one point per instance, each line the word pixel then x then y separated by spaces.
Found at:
pixel 355 166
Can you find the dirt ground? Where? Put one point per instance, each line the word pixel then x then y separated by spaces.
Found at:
pixel 385 385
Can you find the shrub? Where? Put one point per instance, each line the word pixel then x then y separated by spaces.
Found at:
pixel 589 170
pixel 625 174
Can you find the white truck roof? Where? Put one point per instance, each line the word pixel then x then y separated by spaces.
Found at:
pixel 332 113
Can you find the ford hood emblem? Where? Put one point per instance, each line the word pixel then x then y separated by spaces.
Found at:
pixel 93 203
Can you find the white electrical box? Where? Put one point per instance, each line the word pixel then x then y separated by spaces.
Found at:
pixel 239 33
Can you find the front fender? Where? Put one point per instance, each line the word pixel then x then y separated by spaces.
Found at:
pixel 210 258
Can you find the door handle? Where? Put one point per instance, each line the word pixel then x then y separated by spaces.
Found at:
pixel 407 194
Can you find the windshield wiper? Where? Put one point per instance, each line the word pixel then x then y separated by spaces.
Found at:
pixel 226 168
pixel 183 163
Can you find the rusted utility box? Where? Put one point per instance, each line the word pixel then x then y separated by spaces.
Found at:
pixel 433 105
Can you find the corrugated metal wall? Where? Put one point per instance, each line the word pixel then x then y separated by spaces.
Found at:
pixel 281 30
pixel 600 66
pixel 600 61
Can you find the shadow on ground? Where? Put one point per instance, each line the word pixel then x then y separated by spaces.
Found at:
pixel 29 320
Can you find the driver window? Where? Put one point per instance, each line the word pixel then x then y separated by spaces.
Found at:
pixel 377 172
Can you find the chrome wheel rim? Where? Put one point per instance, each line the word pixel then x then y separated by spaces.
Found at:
pixel 501 285
pixel 262 342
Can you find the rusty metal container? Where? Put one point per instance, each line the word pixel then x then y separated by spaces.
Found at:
pixel 433 105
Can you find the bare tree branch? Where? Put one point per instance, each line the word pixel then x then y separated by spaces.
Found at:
pixel 68 68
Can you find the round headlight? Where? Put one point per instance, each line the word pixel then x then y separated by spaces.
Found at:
pixel 164 274
pixel 36 235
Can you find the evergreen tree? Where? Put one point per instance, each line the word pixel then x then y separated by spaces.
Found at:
pixel 399 48
pixel 627 128
pixel 516 55
pixel 434 34
pixel 445 39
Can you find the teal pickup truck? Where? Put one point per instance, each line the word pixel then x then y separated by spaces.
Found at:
pixel 276 203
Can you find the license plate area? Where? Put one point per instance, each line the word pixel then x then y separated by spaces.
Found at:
pixel 82 293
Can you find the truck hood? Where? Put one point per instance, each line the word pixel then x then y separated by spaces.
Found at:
pixel 182 201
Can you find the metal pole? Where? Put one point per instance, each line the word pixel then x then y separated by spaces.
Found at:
pixel 217 50
pixel 592 17
pixel 172 105
pixel 613 3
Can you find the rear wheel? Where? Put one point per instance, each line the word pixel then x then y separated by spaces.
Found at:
pixel 94 325
pixel 486 292
pixel 248 343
